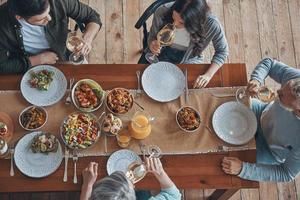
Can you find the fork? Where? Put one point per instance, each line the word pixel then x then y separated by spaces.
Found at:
pixel 68 99
pixel 12 151
pixel 139 91
pixel 75 159
pixel 65 179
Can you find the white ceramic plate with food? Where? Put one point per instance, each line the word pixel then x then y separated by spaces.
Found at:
pixel 36 165
pixel 120 161
pixel 163 81
pixel 55 91
pixel 234 123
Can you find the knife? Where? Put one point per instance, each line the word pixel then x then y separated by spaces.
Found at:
pixel 186 87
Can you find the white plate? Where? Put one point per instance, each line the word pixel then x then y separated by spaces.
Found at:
pixel 163 81
pixel 120 160
pixel 234 123
pixel 36 165
pixel 56 91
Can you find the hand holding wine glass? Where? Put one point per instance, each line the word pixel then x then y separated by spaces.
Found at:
pixel 75 44
pixel 165 37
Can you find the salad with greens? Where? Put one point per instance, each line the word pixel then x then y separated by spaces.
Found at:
pixel 41 79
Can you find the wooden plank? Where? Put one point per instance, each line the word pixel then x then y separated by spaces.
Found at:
pixel 267 33
pixel 114 31
pixel 234 32
pixel 250 194
pixel 203 172
pixel 110 76
pixel 132 40
pixel 294 7
pixel 40 196
pixel 284 32
pixel 99 53
pixel 4 196
pixel 251 34
pixel 193 194
pixel 286 191
pixel 268 191
pixel 297 184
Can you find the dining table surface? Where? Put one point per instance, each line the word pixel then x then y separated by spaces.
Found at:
pixel 190 171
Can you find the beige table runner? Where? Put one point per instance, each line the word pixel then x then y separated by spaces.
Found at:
pixel 165 132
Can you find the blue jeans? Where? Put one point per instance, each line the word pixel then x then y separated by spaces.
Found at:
pixel 263 152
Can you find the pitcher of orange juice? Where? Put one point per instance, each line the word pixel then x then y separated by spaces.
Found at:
pixel 140 125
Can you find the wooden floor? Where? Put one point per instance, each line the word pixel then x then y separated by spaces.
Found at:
pixel 254 28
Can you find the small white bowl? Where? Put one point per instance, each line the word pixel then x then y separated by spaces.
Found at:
pixel 28 108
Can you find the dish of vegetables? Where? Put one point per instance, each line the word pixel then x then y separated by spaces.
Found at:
pixel 44 143
pixel 41 79
pixel 80 130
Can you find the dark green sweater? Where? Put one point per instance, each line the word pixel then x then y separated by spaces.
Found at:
pixel 14 59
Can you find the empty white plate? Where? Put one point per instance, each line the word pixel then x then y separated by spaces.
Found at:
pixel 163 81
pixel 234 123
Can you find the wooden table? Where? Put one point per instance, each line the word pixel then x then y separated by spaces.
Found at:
pixel 187 171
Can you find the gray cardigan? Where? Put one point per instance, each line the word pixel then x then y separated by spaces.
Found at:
pixel 214 33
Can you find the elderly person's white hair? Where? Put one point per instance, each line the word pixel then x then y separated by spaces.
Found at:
pixel 296 88
pixel 113 187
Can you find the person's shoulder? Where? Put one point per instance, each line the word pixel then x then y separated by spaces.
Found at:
pixel 212 19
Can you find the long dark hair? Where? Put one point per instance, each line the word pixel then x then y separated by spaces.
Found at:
pixel 28 8
pixel 194 14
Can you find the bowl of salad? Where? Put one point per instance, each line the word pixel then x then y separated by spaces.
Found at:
pixel 80 130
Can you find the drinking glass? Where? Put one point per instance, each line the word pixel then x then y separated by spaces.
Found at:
pixel 73 43
pixel 154 151
pixel 123 138
pixel 165 37
pixel 265 94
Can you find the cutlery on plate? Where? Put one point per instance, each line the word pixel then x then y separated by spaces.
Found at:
pixel 68 99
pixel 139 91
pixel 12 151
pixel 75 159
pixel 186 87
pixel 66 165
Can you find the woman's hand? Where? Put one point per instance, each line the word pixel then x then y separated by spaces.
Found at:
pixel 232 165
pixel 202 81
pixel 90 174
pixel 253 87
pixel 155 47
pixel 154 166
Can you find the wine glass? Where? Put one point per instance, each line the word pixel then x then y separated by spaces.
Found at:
pixel 165 37
pixel 265 94
pixel 73 43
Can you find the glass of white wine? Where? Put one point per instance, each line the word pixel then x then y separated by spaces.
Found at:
pixel 73 43
pixel 165 37
pixel 265 94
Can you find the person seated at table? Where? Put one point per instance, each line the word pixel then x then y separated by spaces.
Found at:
pixel 277 136
pixel 118 186
pixel 34 32
pixel 196 27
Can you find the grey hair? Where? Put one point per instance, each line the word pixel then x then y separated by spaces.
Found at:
pixel 296 88
pixel 113 187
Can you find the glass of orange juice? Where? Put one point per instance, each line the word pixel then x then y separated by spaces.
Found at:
pixel 123 138
pixel 140 125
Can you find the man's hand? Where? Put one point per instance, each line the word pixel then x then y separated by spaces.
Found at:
pixel 253 88
pixel 155 47
pixel 46 57
pixel 232 165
